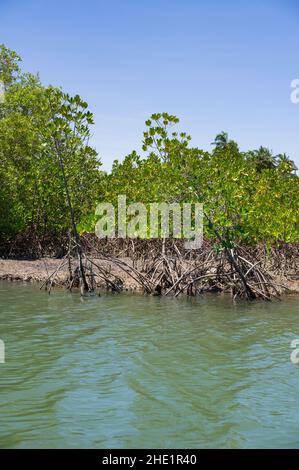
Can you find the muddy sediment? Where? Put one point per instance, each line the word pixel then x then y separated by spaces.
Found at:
pixel 40 270
pixel 165 267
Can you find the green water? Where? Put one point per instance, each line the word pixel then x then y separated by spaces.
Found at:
pixel 133 371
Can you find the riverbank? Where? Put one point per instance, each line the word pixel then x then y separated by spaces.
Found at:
pixel 159 267
pixel 40 270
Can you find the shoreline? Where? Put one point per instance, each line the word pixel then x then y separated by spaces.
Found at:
pixel 39 270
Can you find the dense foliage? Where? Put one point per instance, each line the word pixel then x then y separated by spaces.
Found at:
pixel 249 196
pixel 38 125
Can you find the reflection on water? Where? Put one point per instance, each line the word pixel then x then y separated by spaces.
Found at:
pixel 133 371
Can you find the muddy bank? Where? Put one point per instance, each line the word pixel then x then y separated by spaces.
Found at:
pixel 40 270
pixel 164 267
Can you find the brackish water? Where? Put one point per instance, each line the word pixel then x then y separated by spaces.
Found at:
pixel 132 371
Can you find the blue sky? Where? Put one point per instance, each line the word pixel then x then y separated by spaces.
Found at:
pixel 217 65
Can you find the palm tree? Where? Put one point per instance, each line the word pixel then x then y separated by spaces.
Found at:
pixel 221 140
pixel 262 158
pixel 285 164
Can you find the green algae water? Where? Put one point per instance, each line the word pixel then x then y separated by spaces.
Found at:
pixel 129 371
